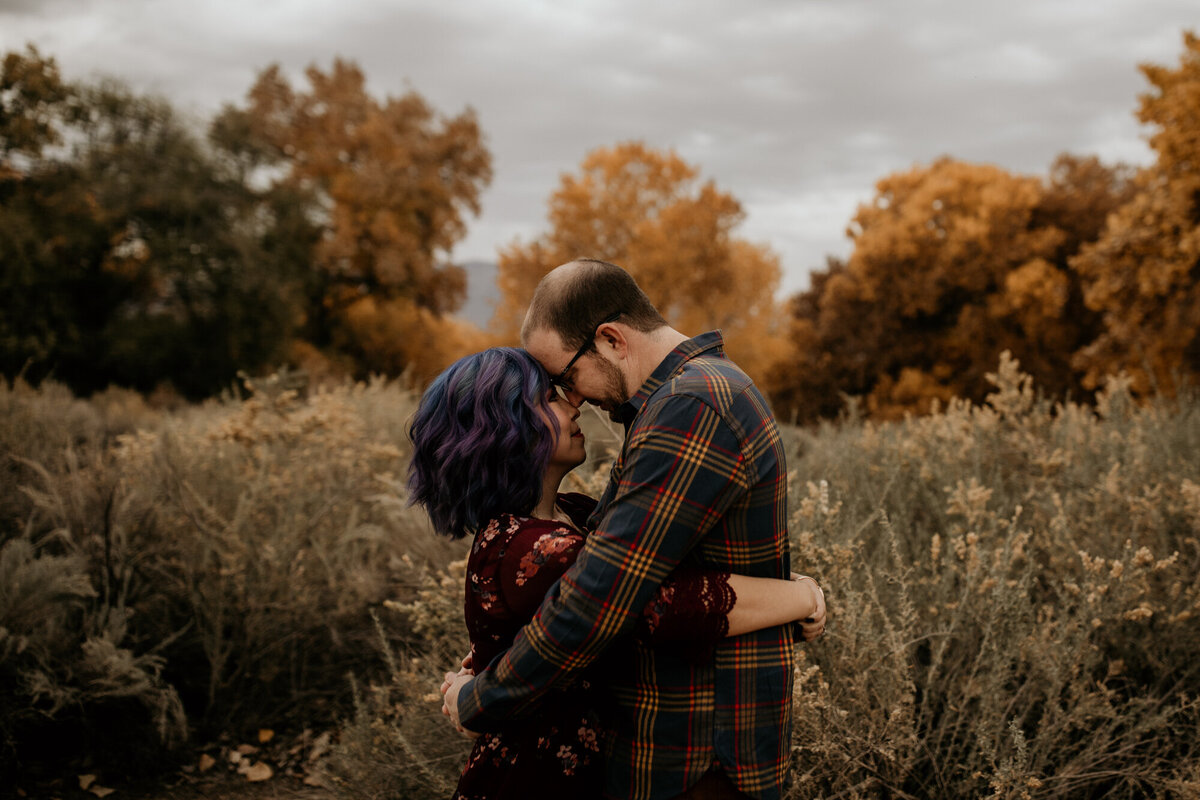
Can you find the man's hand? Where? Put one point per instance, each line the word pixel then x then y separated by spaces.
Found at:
pixel 467 668
pixel 812 626
pixel 451 686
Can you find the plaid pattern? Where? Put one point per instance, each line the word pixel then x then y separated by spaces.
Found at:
pixel 701 480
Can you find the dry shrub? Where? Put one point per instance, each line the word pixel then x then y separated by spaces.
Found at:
pixel 72 673
pixel 38 425
pixel 285 528
pixel 1012 597
pixel 228 554
pixel 1013 609
pixel 1011 585
pixel 398 744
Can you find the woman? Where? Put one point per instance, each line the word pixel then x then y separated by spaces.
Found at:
pixel 492 441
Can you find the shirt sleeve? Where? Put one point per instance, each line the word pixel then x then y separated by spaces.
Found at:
pixel 682 470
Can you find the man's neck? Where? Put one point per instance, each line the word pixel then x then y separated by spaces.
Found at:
pixel 654 349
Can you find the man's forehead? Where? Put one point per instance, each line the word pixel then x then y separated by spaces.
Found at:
pixel 546 346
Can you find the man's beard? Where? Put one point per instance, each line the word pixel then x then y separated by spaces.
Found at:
pixel 616 392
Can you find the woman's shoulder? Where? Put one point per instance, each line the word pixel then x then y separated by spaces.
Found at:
pixel 502 529
pixel 498 529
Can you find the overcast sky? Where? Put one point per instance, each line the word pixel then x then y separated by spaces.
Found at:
pixel 797 108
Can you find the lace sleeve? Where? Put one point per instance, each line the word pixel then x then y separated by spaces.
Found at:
pixel 690 612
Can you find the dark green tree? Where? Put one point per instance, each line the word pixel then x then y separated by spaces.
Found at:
pixel 140 254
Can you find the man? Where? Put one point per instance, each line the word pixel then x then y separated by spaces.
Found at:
pixel 701 479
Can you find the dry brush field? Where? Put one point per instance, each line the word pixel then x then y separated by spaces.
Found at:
pixel 1012 590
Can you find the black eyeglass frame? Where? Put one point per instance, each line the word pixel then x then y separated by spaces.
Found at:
pixel 560 380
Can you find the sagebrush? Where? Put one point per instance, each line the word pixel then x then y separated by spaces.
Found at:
pixel 1013 608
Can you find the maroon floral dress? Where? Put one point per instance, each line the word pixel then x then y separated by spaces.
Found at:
pixel 514 561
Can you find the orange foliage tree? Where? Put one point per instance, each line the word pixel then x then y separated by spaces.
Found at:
pixel 395 181
pixel 952 264
pixel 648 211
pixel 1143 274
pixel 32 94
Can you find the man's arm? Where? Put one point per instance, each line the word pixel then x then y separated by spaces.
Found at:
pixel 683 469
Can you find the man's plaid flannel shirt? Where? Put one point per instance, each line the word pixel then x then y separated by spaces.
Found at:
pixel 701 478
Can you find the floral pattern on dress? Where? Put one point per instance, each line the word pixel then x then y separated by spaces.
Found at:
pixel 556 547
pixel 513 562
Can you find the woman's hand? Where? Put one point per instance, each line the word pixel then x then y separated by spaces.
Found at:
pixel 814 625
pixel 452 683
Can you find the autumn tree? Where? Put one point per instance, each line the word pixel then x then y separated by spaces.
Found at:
pixel 648 211
pixel 33 98
pixel 1143 274
pixel 952 264
pixel 394 181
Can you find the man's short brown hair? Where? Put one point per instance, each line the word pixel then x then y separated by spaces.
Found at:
pixel 573 305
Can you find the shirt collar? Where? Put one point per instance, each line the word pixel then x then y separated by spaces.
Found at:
pixel 705 343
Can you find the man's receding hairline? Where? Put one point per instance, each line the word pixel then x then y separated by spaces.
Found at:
pixel 548 291
pixel 571 298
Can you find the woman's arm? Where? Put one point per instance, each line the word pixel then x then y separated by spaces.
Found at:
pixel 693 609
pixel 766 602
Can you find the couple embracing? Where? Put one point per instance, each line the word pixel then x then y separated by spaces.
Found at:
pixel 639 645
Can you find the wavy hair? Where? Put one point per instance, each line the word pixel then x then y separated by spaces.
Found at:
pixel 480 446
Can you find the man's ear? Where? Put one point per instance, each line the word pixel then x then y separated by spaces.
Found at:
pixel 612 335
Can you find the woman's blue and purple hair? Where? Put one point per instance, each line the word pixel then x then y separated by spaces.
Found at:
pixel 480 447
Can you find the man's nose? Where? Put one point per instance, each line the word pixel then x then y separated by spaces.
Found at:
pixel 574 398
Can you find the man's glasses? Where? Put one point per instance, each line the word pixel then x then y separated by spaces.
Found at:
pixel 560 380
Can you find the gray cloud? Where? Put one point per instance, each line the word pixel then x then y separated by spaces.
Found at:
pixel 796 108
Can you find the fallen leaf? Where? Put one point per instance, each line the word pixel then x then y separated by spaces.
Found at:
pixel 86 780
pixel 312 780
pixel 206 762
pixel 101 791
pixel 265 735
pixel 259 772
pixel 319 746
pixel 247 749
pixel 234 756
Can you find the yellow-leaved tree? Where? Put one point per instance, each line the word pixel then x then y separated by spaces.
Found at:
pixel 1143 274
pixel 393 181
pixel 648 211
pixel 953 263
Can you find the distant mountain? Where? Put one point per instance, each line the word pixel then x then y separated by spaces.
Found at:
pixel 482 294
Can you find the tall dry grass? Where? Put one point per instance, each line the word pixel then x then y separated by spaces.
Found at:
pixel 1012 588
pixel 1014 600
pixel 1014 608
pixel 212 569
